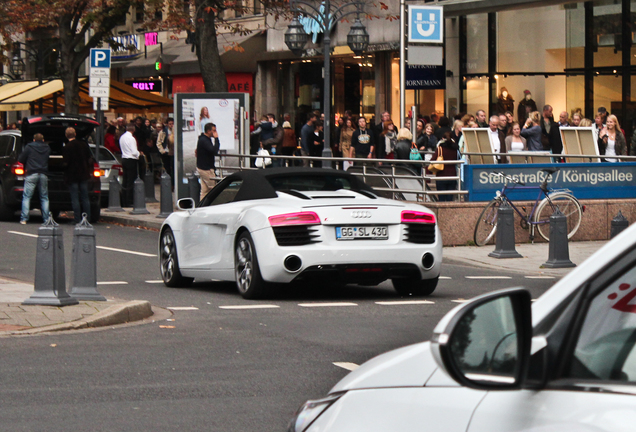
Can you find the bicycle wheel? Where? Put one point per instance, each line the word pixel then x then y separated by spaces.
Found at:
pixel 487 224
pixel 567 204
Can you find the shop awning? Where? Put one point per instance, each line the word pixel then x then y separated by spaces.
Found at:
pixel 13 88
pixel 179 59
pixel 123 98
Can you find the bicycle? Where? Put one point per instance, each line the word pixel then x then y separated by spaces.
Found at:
pixel 539 216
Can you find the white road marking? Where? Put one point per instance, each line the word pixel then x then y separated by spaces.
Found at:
pixel 459 301
pixel 113 283
pixel 404 302
pixel 346 365
pixel 23 234
pixel 445 277
pixel 309 305
pixel 260 306
pixel 154 281
pixel 127 251
pixel 488 277
pixel 539 277
pixel 183 308
pixel 98 247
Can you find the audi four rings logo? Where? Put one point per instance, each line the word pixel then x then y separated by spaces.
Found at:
pixel 361 214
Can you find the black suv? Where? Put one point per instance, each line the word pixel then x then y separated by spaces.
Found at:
pixel 12 142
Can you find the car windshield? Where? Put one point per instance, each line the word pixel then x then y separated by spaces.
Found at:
pixel 311 183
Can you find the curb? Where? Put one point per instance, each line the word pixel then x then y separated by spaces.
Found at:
pixel 131 221
pixel 122 313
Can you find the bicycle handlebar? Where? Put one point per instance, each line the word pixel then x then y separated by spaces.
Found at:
pixel 509 178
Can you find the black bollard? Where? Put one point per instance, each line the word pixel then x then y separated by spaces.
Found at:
pixel 114 193
pixel 149 187
pixel 619 223
pixel 84 263
pixel 505 240
pixel 194 188
pixel 139 201
pixel 166 196
pixel 50 278
pixel 559 252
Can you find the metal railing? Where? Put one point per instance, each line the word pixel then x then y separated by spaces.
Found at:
pixel 388 176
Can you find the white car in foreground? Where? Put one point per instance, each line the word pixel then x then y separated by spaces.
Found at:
pixel 284 225
pixel 496 363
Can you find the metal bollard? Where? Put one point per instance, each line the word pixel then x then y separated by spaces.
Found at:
pixel 619 223
pixel 114 193
pixel 139 202
pixel 505 240
pixel 194 188
pixel 559 252
pixel 326 153
pixel 149 187
pixel 166 196
pixel 84 263
pixel 50 278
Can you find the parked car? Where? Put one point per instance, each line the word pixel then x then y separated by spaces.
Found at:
pixel 496 363
pixel 52 127
pixel 285 225
pixel 107 164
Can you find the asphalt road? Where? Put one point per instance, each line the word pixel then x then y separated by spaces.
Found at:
pixel 214 366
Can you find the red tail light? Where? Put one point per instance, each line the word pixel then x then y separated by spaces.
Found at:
pixel 96 171
pixel 119 168
pixel 409 216
pixel 300 218
pixel 17 169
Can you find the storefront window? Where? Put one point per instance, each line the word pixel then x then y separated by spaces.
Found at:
pixel 608 93
pixel 531 40
pixel 477 43
pixel 575 36
pixel 607 31
pixel 476 96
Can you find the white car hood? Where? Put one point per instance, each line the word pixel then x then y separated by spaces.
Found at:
pixel 409 366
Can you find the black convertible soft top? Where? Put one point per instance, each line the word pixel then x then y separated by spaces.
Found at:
pixel 259 184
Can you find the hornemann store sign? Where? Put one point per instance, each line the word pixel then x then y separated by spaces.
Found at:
pixel 585 180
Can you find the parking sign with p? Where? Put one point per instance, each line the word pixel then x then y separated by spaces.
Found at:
pixel 100 58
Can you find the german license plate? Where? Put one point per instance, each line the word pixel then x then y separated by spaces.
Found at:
pixel 362 233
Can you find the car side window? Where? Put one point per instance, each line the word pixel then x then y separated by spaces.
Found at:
pixel 606 347
pixel 226 195
pixel 6 145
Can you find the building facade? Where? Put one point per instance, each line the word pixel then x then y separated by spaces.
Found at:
pixel 574 56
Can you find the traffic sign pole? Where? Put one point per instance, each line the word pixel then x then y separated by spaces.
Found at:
pixel 99 90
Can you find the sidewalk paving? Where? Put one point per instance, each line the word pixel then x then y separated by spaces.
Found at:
pixel 534 255
pixel 18 319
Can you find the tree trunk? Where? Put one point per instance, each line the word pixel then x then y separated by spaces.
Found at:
pixel 69 69
pixel 207 51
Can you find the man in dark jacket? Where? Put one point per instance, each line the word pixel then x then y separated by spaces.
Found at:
pixel 273 144
pixel 550 134
pixel 35 158
pixel 207 150
pixel 363 140
pixel 78 169
pixel 307 137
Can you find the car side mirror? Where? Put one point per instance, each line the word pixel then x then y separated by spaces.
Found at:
pixel 186 204
pixel 485 342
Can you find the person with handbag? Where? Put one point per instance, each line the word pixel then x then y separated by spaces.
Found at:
pixel 447 150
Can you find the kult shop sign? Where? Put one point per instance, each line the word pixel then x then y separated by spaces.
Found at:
pixel 585 180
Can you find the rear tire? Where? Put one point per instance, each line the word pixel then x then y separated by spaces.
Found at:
pixel 95 212
pixel 247 273
pixel 417 288
pixel 6 213
pixel 486 226
pixel 169 262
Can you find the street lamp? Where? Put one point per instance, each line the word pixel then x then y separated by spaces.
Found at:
pixel 17 66
pixel 296 38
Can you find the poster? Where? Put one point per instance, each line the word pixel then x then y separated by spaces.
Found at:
pixel 193 112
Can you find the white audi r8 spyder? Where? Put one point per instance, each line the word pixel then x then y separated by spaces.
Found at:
pixel 283 225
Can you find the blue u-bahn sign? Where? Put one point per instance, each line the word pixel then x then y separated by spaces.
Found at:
pixel 585 180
